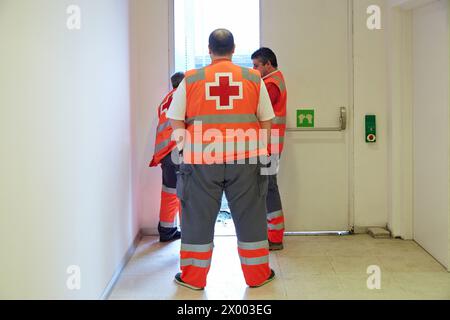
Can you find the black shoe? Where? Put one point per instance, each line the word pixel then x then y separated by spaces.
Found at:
pixel 184 284
pixel 168 234
pixel 175 236
pixel 272 276
pixel 273 246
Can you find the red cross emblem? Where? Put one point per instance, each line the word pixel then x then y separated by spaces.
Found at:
pixel 224 91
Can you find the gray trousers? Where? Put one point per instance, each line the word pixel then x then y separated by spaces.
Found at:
pixel 273 195
pixel 200 189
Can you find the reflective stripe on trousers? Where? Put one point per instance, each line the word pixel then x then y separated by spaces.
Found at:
pixel 276 229
pixel 195 263
pixel 254 258
pixel 170 205
pixel 275 216
pixel 201 189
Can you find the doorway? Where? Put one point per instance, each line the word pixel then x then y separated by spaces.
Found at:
pixel 314 48
pixel 193 21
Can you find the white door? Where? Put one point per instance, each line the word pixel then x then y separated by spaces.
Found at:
pixel 431 129
pixel 312 41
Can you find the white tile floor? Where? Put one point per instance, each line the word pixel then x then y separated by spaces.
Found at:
pixel 311 267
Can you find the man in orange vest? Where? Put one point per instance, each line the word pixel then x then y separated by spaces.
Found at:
pixel 265 61
pixel 218 113
pixel 164 146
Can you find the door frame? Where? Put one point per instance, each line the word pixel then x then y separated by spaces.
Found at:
pixel 350 117
pixel 350 123
pixel 401 218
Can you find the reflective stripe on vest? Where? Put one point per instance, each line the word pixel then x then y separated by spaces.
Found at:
pixel 250 76
pixel 163 142
pixel 163 127
pixel 220 146
pixel 198 76
pixel 224 119
pixel 279 123
pixel 279 120
pixel 162 145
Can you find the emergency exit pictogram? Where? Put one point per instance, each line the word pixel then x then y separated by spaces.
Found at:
pixel 305 118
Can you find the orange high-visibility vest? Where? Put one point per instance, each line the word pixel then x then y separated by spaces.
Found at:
pixel 280 108
pixel 221 114
pixel 163 144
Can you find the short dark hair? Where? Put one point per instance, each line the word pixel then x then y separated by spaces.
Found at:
pixel 266 55
pixel 176 79
pixel 221 42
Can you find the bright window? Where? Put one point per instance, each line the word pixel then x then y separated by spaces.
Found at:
pixel 194 20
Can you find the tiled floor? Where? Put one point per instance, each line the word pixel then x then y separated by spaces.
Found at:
pixel 310 267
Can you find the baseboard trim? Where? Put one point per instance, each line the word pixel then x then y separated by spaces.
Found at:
pixel 149 232
pixel 317 233
pixel 130 252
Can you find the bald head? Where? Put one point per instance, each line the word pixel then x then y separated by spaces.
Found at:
pixel 221 42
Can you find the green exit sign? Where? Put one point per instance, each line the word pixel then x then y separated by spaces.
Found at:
pixel 305 118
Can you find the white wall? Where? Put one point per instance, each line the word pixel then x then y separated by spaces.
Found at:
pixel 431 128
pixel 65 147
pixel 150 83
